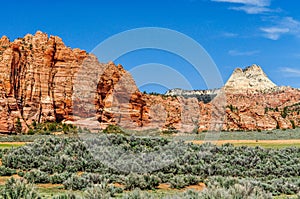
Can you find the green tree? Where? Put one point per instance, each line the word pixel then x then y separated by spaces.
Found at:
pixel 18 126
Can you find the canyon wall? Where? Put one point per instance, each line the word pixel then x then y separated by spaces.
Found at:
pixel 41 79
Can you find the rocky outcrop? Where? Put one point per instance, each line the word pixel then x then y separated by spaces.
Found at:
pixel 205 96
pixel 251 79
pixel 43 80
pixel 253 102
pixel 265 111
pixel 36 74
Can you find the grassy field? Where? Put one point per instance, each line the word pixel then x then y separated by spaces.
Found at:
pixel 289 134
pixel 268 145
pixel 4 145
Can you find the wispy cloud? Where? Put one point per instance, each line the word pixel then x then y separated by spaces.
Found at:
pixel 286 25
pixel 247 2
pixel 243 53
pixel 274 33
pixel 252 9
pixel 290 72
pixel 229 34
pixel 278 25
pixel 249 6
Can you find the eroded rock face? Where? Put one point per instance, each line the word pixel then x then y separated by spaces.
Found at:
pixel 277 108
pixel 43 80
pixel 251 78
pixel 36 75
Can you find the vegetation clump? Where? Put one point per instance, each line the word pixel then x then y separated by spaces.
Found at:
pixel 226 169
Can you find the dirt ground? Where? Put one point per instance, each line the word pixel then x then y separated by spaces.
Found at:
pixel 198 187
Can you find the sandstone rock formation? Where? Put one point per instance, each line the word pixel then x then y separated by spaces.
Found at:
pixel 36 75
pixel 202 95
pixel 251 78
pixel 43 80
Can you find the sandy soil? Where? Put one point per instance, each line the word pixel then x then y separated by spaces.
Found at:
pixel 49 185
pixel 4 178
pixel 198 187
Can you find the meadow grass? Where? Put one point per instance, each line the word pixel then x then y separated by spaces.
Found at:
pixel 268 145
pixel 10 145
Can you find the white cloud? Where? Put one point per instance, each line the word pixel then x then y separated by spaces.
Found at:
pixel 240 53
pixel 274 33
pixel 252 9
pixel 286 25
pixel 249 6
pixel 291 72
pixel 230 34
pixel 260 3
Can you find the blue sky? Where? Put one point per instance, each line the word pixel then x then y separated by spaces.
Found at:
pixel 235 33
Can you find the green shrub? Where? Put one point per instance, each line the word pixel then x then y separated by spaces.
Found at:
pixel 170 130
pixel 138 194
pixel 144 182
pixel 103 191
pixel 19 188
pixel 21 173
pixel 178 182
pixel 18 126
pixel 37 176
pixel 293 124
pixel 4 171
pixel 66 196
pixel 59 159
pixel 59 178
pixel 247 191
pixel 75 182
pixel 113 129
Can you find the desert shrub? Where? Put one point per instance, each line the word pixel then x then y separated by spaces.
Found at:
pixel 75 182
pixel 21 173
pixel 152 181
pixel 37 176
pixel 113 129
pixel 165 177
pixel 293 124
pixel 18 126
pixel 191 194
pixel 133 181
pixel 66 196
pixel 103 190
pixel 2 152
pixel 220 181
pixel 143 182
pixel 96 178
pixel 274 170
pixel 170 130
pixel 48 128
pixel 277 186
pixel 246 191
pixel 18 188
pixel 4 171
pixel 59 178
pixel 178 182
pixel 138 194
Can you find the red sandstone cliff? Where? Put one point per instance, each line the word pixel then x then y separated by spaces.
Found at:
pixel 43 80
